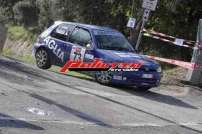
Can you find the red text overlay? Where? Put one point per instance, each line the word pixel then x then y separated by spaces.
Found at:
pixel 99 65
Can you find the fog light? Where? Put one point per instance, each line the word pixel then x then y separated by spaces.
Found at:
pixel 159 70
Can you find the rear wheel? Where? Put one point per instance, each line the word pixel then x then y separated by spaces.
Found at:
pixel 103 77
pixel 42 59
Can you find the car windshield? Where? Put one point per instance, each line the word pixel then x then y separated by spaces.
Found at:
pixel 113 42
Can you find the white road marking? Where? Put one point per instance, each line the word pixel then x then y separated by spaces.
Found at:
pixel 38 111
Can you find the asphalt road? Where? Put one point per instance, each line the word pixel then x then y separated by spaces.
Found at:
pixel 35 101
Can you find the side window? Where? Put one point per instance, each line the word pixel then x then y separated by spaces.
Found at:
pixel 81 37
pixel 61 32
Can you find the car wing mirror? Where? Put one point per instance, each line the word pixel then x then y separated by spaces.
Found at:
pixel 88 46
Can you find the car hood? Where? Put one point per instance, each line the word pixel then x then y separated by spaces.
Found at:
pixel 121 56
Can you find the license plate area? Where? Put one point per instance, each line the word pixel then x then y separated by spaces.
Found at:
pixel 147 76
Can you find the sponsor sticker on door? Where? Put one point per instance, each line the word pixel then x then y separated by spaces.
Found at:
pixel 77 53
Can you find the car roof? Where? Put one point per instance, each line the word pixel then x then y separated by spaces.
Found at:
pixel 88 26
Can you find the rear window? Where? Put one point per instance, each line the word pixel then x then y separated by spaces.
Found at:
pixel 48 31
pixel 62 32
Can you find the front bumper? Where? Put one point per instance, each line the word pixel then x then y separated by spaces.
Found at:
pixel 136 79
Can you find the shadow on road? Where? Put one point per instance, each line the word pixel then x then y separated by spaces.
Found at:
pixel 72 111
pixel 166 99
pixel 170 100
pixel 148 95
pixel 11 122
pixel 126 105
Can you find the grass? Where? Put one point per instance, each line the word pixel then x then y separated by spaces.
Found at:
pixel 16 33
pixel 7 52
pixel 71 73
pixel 26 58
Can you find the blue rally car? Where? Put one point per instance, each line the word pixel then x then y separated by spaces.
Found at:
pixel 65 41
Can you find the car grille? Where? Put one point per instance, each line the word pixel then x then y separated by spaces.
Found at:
pixel 147 69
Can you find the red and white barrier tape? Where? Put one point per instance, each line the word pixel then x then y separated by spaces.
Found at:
pixel 182 64
pixel 168 38
pixel 165 40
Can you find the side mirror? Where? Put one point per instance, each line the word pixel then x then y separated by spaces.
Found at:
pixel 88 46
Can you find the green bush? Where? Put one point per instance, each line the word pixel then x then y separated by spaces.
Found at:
pixel 20 33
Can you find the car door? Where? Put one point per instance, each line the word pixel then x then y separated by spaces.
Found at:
pixel 82 48
pixel 59 45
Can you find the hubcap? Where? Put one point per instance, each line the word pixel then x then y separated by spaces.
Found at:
pixel 104 77
pixel 41 58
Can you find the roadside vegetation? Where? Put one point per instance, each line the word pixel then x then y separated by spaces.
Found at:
pixel 16 33
pixel 25 19
pixel 20 34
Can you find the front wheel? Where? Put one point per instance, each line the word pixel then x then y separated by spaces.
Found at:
pixel 143 89
pixel 42 59
pixel 103 77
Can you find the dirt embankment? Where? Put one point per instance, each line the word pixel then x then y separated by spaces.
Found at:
pixel 18 48
pixel 174 76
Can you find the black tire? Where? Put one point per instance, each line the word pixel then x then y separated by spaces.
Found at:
pixel 103 77
pixel 143 89
pixel 42 59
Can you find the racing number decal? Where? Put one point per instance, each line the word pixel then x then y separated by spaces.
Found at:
pixel 77 53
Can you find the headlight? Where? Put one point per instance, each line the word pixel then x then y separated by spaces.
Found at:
pixel 159 70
